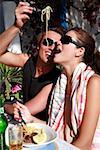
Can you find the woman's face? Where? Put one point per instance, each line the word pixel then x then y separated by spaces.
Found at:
pixel 68 49
pixel 46 48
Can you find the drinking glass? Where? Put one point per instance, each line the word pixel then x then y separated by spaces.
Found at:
pixel 15 137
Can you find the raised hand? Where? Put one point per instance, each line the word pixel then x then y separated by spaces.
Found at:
pixel 21 13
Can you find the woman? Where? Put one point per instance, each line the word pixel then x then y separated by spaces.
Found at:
pixel 75 103
pixel 81 101
pixel 39 72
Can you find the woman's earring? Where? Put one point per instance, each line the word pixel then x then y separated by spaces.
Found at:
pixel 37 48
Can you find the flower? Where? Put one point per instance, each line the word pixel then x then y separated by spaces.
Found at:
pixel 16 88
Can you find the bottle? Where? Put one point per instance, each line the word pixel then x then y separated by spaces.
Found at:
pixel 3 126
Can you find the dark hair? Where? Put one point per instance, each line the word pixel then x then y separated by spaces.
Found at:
pixel 60 30
pixel 40 36
pixel 86 41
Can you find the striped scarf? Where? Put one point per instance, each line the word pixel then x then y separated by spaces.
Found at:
pixel 80 78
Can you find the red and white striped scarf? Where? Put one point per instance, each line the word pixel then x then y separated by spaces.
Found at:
pixel 80 78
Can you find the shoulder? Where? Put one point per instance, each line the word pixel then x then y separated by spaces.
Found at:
pixel 94 80
pixel 93 88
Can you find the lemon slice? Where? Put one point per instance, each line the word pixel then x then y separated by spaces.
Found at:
pixel 40 138
pixel 38 131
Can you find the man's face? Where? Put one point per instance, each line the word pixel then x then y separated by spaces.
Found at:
pixel 48 44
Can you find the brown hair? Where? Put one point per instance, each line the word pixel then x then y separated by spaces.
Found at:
pixel 86 41
pixel 58 30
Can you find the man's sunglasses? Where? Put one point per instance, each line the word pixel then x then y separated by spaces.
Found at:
pixel 48 42
pixel 67 39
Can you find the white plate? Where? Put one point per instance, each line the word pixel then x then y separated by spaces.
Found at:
pixel 61 144
pixel 51 135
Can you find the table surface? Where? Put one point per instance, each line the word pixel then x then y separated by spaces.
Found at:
pixel 57 145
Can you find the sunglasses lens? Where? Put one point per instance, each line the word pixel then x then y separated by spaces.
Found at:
pixel 48 42
pixel 65 40
pixel 45 42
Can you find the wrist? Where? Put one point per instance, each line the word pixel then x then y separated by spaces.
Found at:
pixel 16 25
pixel 16 28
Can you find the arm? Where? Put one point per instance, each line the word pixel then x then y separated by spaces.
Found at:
pixel 39 102
pixel 14 60
pixel 21 17
pixel 8 35
pixel 25 114
pixel 35 105
pixel 91 114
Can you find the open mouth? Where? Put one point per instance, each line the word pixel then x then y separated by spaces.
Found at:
pixel 56 51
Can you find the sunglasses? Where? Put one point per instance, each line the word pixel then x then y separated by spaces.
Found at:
pixel 67 39
pixel 48 42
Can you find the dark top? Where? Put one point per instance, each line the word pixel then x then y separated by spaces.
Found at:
pixel 33 85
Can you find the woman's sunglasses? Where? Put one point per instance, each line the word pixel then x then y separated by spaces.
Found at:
pixel 64 40
pixel 67 39
pixel 48 42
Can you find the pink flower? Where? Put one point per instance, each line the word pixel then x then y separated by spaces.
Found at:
pixel 16 88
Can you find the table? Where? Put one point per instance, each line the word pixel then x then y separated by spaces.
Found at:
pixel 57 145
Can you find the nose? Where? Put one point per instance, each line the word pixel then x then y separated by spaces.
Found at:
pixel 58 45
pixel 52 47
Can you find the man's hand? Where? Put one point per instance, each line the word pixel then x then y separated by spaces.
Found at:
pixel 21 13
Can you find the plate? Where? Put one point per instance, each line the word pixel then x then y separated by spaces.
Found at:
pixel 51 135
pixel 58 144
pixel 51 146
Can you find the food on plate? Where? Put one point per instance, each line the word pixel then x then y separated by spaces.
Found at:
pixel 40 138
pixel 34 135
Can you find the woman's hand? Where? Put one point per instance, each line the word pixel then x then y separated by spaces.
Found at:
pixel 21 13
pixel 25 114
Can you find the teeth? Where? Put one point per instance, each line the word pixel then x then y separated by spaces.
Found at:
pixel 48 53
